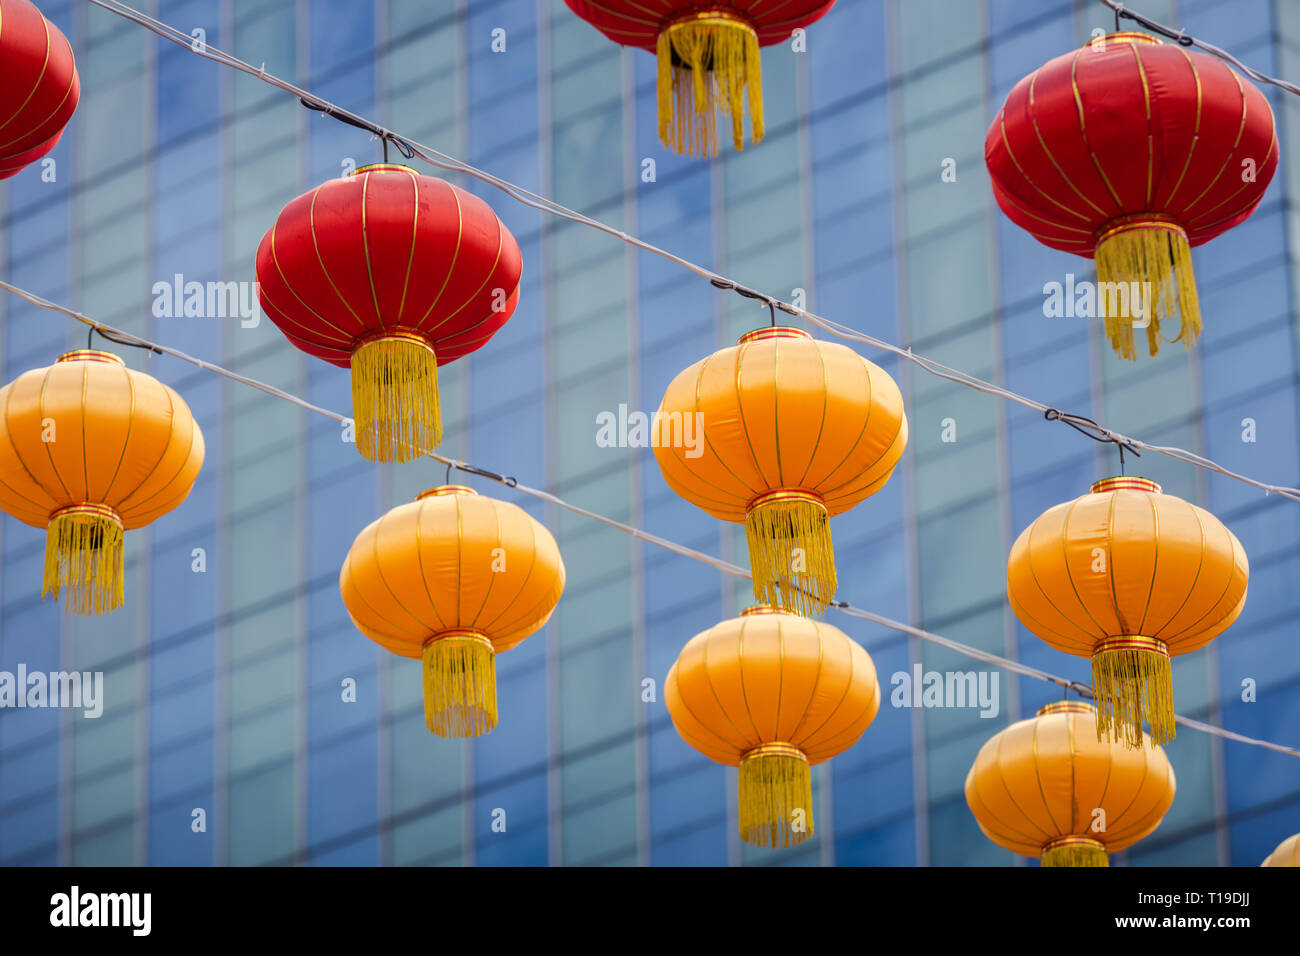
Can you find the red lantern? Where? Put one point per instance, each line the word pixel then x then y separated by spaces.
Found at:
pixel 392 274
pixel 39 88
pixel 708 57
pixel 1130 151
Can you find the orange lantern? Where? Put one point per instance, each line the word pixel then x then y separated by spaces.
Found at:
pixel 1128 576
pixel 1286 854
pixel 88 450
pixel 788 432
pixel 772 693
pixel 454 578
pixel 1050 787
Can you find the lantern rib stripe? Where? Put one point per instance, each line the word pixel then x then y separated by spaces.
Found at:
pixel 365 249
pixel 821 425
pixel 1038 779
pixel 830 493
pixel 455 257
pixel 1272 151
pixel 1069 576
pixel 45 24
pixel 1231 152
pixel 487 592
pixel 780 679
pixel 315 244
pixel 419 563
pixel 1042 143
pixel 531 614
pixel 812 694
pixel 1090 637
pixel 1155 563
pixel 708 679
pixel 40 411
pixel 752 491
pixel 1083 134
pixel 997 765
pixel 1006 144
pixel 1146 770
pixel 727 746
pixel 1195 627
pixel 834 710
pixel 1146 102
pixel 740 412
pixel 126 439
pixel 410 259
pixel 53 114
pixel 421 629
pixel 776 412
pixel 1196 129
pixel 1036 626
pixel 482 285
pixel 85 465
pixel 287 316
pixel 1191 588
pixel 822 482
pixel 19 458
pixel 740 670
pixel 1110 567
pixel 124 504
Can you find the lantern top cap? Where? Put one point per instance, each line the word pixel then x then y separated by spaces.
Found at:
pixel 1066 707
pixel 773 332
pixel 1127 36
pixel 90 355
pixel 442 490
pixel 763 609
pixel 1121 483
pixel 719 14
pixel 383 168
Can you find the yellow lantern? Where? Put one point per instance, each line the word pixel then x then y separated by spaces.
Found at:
pixel 1128 576
pixel 453 578
pixel 772 693
pixel 1287 853
pixel 1049 787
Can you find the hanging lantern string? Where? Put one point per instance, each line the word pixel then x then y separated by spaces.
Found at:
pixel 726 567
pixel 541 203
pixel 1088 427
pixel 1180 37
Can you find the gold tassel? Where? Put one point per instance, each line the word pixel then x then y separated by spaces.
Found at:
pixel 395 397
pixel 460 684
pixel 707 61
pixel 775 796
pixel 1075 851
pixel 1152 258
pixel 790 552
pixel 83 554
pixel 1131 682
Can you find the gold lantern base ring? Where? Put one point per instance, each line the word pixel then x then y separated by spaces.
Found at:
pixel 84 560
pixel 775 796
pixel 707 61
pixel 395 397
pixel 460 684
pixel 790 551
pixel 1132 683
pixel 1075 851
pixel 1144 276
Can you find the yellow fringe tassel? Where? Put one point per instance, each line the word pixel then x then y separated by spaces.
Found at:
pixel 790 552
pixel 775 796
pixel 1131 682
pixel 460 684
pixel 706 63
pixel 1155 262
pixel 83 555
pixel 1075 851
pixel 395 398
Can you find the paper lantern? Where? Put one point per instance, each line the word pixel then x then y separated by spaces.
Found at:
pixel 708 57
pixel 90 449
pixel 1050 788
pixel 1287 853
pixel 392 274
pixel 454 578
pixel 773 694
pixel 39 87
pixel 788 431
pixel 1131 151
pixel 1128 576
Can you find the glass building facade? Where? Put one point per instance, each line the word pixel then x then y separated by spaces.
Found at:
pixel 225 671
